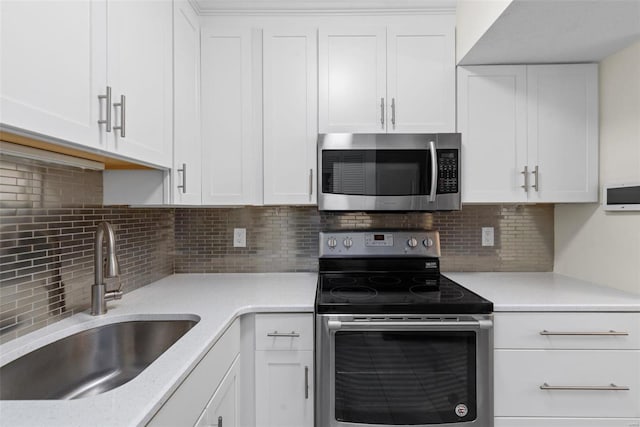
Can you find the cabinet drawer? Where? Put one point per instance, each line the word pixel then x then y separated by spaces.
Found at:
pixel 567 330
pixel 284 331
pixel 566 422
pixel 519 374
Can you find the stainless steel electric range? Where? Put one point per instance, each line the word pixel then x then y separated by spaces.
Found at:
pixel 397 343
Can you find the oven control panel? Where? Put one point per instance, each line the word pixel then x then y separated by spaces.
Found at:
pixel 404 243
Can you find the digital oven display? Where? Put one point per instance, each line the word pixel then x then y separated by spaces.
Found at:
pixel 378 239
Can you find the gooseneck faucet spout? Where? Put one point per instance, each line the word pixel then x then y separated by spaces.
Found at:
pixel 99 294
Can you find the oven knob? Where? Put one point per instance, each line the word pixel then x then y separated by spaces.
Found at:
pixel 332 242
pixel 412 242
pixel 348 242
pixel 427 243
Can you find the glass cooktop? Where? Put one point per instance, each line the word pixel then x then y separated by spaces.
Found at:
pixel 382 293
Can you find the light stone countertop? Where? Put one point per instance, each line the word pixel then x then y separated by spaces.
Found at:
pixel 545 292
pixel 218 299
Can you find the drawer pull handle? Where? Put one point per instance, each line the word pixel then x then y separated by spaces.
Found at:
pixel 611 387
pixel 291 334
pixel 604 333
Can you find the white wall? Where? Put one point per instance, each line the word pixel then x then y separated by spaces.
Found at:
pixel 591 244
pixel 473 19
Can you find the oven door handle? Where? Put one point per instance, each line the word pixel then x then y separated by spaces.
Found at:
pixel 335 325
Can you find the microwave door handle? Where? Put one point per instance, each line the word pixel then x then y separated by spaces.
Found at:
pixel 434 171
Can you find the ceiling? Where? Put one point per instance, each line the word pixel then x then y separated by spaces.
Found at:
pixel 552 31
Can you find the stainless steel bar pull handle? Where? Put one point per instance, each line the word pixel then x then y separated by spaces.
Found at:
pixel 306 382
pixel 122 127
pixel 310 184
pixel 525 172
pixel 587 333
pixel 610 387
pixel 291 334
pixel 535 174
pixel 393 112
pixel 382 112
pixel 184 178
pixel 107 120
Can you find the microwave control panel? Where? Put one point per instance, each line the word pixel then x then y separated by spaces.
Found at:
pixel 448 171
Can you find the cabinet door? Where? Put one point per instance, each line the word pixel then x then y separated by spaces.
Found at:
pixel 421 78
pixel 227 168
pixel 352 79
pixel 563 132
pixel 190 400
pixel 53 67
pixel 492 118
pixel 187 156
pixel 140 68
pixel 223 409
pixel 284 388
pixel 290 116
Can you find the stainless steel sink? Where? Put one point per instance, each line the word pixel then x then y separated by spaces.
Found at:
pixel 89 362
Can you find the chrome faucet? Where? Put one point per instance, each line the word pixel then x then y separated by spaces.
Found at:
pixel 99 294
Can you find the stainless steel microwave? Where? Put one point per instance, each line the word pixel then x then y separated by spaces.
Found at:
pixel 389 172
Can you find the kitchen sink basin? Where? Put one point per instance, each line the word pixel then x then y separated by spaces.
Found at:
pixel 89 362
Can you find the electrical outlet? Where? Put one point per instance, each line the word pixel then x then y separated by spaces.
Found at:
pixel 239 237
pixel 487 236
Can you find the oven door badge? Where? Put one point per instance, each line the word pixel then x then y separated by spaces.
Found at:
pixel 461 410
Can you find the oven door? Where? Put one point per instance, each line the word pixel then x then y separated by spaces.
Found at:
pixel 366 172
pixel 404 371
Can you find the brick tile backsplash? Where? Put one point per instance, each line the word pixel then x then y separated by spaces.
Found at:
pixel 285 238
pixel 48 216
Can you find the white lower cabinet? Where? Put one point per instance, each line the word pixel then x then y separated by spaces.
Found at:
pixel 284 370
pixel 223 408
pixel 213 374
pixel 567 369
pixel 284 388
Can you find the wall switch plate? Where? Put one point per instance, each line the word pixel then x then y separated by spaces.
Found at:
pixel 239 237
pixel 487 236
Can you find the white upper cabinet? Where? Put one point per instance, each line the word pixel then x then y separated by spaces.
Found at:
pixel 529 133
pixel 229 169
pixel 290 115
pixel 60 57
pixel 387 79
pixel 187 156
pixel 352 83
pixel 53 67
pixel 421 78
pixel 562 132
pixel 140 74
pixel 492 117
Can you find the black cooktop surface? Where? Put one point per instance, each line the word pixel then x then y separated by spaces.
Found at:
pixel 396 293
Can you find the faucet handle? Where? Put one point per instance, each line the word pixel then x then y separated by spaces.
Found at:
pixel 111 295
